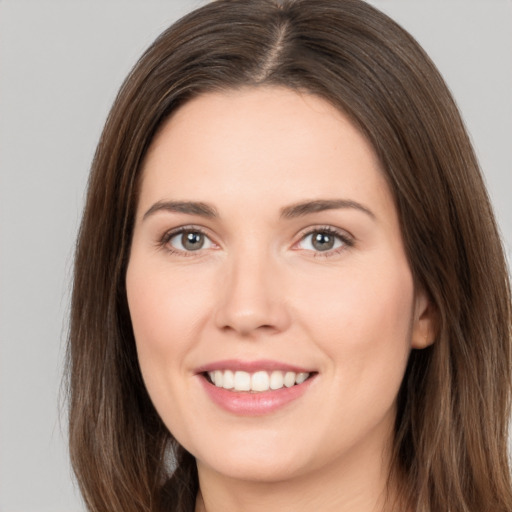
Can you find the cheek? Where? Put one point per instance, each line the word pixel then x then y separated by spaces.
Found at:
pixel 164 311
pixel 363 326
pixel 362 320
pixel 375 291
pixel 163 308
pixel 166 314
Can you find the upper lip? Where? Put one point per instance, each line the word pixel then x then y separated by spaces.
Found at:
pixel 251 366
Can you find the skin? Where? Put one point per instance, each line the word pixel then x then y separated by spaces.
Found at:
pixel 259 289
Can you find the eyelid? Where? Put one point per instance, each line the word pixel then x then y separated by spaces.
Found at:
pixel 346 238
pixel 168 235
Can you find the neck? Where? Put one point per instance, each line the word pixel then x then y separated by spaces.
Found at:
pixel 357 482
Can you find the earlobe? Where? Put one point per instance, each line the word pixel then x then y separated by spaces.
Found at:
pixel 424 328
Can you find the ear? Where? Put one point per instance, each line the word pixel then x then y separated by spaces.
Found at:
pixel 424 328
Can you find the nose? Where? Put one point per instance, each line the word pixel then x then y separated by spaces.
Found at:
pixel 252 296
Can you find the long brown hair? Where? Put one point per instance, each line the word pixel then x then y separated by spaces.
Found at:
pixel 450 444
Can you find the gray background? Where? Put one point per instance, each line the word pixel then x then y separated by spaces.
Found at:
pixel 61 63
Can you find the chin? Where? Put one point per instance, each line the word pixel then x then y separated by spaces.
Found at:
pixel 257 470
pixel 268 460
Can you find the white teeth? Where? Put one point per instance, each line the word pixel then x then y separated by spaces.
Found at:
pixel 301 377
pixel 276 380
pixel 289 379
pixel 260 381
pixel 242 381
pixel 256 382
pixel 228 380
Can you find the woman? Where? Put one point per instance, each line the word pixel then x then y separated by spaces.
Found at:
pixel 289 288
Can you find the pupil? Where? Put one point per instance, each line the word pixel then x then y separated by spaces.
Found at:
pixel 192 241
pixel 323 241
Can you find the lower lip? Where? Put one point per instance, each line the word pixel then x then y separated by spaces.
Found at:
pixel 254 404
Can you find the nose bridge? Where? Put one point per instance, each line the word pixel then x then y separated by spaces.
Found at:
pixel 252 294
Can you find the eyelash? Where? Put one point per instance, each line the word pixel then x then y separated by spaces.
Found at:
pixel 347 240
pixel 169 235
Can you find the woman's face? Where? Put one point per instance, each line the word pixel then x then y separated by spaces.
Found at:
pixel 266 251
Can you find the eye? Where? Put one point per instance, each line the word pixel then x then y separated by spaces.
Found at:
pixel 188 240
pixel 324 240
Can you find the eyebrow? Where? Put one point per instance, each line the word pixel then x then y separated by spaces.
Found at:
pixel 320 205
pixel 188 207
pixel 289 212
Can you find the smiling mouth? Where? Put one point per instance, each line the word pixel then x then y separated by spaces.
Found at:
pixel 256 382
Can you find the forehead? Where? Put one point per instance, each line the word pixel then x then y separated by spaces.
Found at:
pixel 266 140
